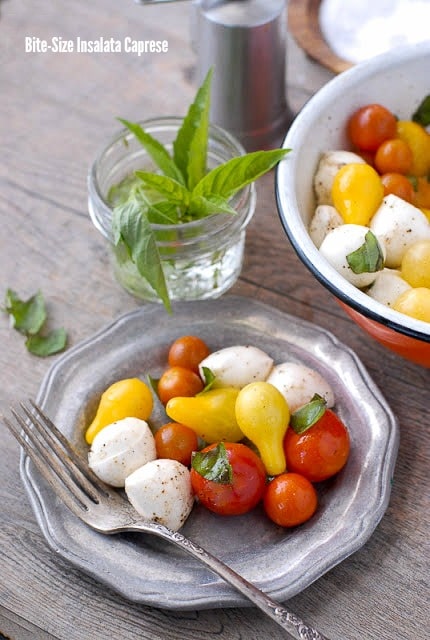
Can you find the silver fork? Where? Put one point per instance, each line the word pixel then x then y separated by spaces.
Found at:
pixel 106 510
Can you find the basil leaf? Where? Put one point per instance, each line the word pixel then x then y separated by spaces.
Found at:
pixel 213 465
pixel 121 192
pixel 368 258
pixel 161 212
pixel 201 206
pixel 183 192
pixel 47 345
pixel 209 379
pixel 191 143
pixel 130 224
pixel 414 182
pixel 422 114
pixel 228 178
pixel 27 316
pixel 153 383
pixel 304 417
pixel 168 188
pixel 155 150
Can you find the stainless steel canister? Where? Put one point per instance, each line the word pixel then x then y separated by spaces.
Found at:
pixel 245 42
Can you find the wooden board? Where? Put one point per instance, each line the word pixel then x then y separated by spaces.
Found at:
pixel 304 26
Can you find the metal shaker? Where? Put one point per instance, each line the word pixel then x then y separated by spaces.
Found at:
pixel 245 42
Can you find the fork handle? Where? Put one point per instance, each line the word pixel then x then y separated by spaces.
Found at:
pixel 286 619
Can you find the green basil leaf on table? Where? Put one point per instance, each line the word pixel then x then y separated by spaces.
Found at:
pixel 27 316
pixel 46 345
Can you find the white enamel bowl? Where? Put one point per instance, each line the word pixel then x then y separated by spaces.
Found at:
pixel 399 80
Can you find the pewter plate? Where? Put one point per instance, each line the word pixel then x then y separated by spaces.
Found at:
pixel 281 562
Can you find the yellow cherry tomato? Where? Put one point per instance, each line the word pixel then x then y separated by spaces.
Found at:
pixel 128 398
pixel 357 192
pixel 263 415
pixel 415 267
pixel 414 303
pixel 426 212
pixel 419 142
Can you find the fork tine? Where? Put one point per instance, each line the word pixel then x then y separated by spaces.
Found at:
pixel 54 454
pixel 90 482
pixel 49 445
pixel 43 463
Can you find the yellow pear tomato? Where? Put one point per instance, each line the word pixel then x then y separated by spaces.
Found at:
pixel 211 414
pixel 128 398
pixel 263 415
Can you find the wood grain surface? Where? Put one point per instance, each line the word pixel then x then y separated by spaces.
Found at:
pixel 56 110
pixel 304 25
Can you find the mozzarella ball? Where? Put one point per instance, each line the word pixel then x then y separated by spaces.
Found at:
pixel 388 286
pixel 328 166
pixel 324 220
pixel 299 383
pixel 237 366
pixel 161 491
pixel 399 224
pixel 121 448
pixel 342 241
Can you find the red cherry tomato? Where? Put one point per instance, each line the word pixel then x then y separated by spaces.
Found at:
pixel 176 442
pixel 398 185
pixel 188 352
pixel 370 126
pixel 290 499
pixel 393 156
pixel 368 157
pixel 245 488
pixel 178 381
pixel 321 451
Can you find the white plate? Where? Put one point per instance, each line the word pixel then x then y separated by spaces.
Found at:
pixel 281 562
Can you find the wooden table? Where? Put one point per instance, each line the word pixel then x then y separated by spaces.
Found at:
pixel 56 110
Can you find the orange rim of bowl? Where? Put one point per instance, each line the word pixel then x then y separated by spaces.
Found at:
pixel 411 348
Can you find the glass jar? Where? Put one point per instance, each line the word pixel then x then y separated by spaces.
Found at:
pixel 201 259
